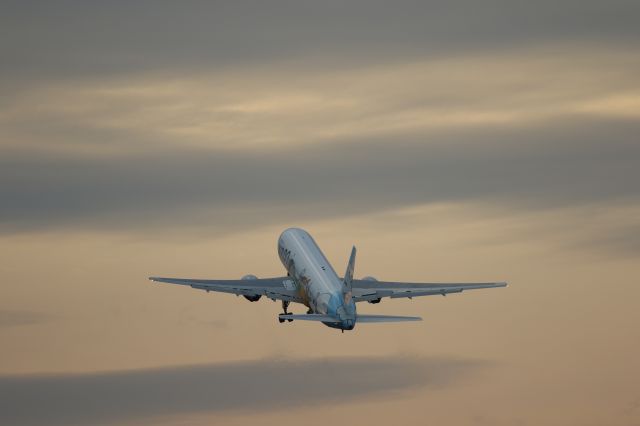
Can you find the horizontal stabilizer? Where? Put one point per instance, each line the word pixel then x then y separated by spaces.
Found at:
pixel 309 317
pixel 385 318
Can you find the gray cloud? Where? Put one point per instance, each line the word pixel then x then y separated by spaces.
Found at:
pixel 622 239
pixel 558 164
pixel 9 318
pixel 98 398
pixel 70 38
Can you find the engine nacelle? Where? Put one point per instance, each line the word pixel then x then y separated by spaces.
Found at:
pixel 256 297
pixel 372 279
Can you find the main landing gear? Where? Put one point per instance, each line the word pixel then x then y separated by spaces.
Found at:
pixel 285 305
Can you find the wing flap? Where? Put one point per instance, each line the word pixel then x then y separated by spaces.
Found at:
pixel 365 290
pixel 281 288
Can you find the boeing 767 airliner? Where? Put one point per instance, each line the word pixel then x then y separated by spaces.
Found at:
pixel 312 281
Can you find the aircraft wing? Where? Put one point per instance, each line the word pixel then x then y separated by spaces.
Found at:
pixel 281 288
pixel 366 290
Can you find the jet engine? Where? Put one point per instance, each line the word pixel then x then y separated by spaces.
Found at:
pixel 253 298
pixel 372 279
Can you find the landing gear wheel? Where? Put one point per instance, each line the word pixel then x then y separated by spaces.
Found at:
pixel 285 305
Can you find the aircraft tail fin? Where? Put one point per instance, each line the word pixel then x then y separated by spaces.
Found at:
pixel 348 275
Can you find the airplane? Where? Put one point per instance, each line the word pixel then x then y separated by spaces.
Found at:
pixel 312 281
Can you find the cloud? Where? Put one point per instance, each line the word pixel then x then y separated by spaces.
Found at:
pixel 10 318
pixel 74 38
pixel 535 167
pixel 620 239
pixel 225 116
pixel 110 397
pixel 280 104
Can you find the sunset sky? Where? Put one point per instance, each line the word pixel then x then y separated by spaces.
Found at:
pixel 449 141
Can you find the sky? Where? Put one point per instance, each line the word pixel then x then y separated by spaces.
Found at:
pixel 449 141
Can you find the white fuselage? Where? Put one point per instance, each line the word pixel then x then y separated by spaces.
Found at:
pixel 316 280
